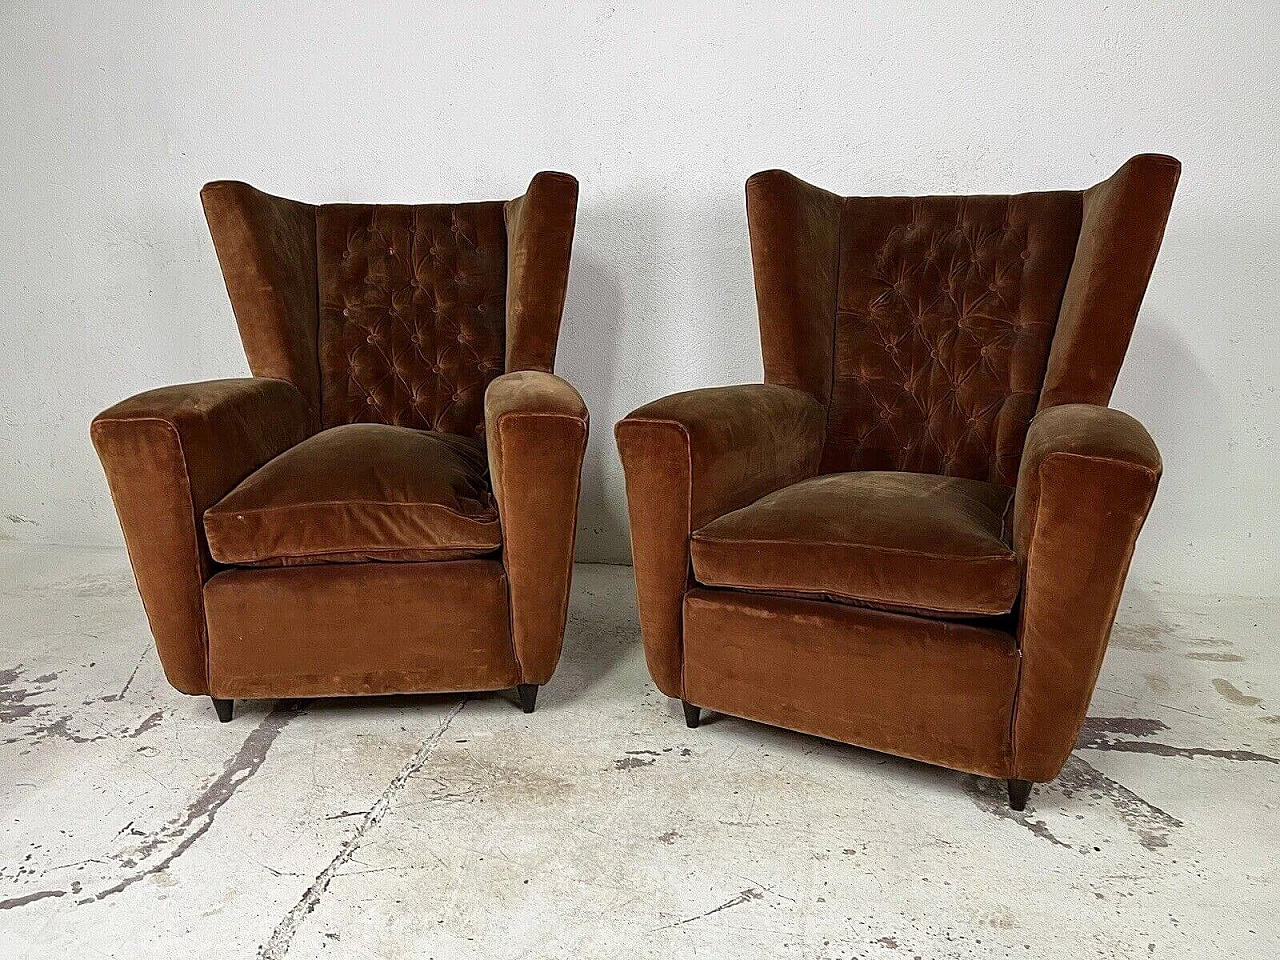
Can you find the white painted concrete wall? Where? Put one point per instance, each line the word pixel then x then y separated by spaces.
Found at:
pixel 113 114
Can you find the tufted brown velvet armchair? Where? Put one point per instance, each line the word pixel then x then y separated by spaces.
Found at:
pixel 913 536
pixel 388 505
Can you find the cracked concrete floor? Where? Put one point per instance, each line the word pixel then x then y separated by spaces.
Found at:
pixel 132 824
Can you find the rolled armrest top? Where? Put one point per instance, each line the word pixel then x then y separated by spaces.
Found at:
pixel 1109 438
pixel 741 442
pixel 1086 430
pixel 735 416
pixel 195 402
pixel 531 392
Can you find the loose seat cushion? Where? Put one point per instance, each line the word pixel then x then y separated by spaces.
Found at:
pixel 360 492
pixel 906 541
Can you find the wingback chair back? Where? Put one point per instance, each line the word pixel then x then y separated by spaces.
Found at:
pixel 394 313
pixel 933 328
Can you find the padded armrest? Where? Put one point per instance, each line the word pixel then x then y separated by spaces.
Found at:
pixel 1086 483
pixel 169 455
pixel 690 458
pixel 536 427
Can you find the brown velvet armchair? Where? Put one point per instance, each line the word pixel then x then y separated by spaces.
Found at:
pixel 388 505
pixel 913 536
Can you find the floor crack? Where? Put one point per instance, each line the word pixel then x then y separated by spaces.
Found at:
pixel 281 939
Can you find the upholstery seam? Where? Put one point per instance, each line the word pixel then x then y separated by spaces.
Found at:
pixel 808 591
pixel 195 534
pixel 688 537
pixel 835 319
pixel 1026 574
pixel 699 537
pixel 258 559
pixel 315 219
pixel 262 511
pixel 511 607
pixel 573 534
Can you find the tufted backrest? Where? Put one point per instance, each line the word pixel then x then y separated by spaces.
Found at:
pixel 944 316
pixel 927 326
pixel 411 313
pixel 394 313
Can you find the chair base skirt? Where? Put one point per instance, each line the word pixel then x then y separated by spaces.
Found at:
pixel 937 691
pixel 359 629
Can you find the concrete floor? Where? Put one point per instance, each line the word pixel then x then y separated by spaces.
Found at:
pixel 132 824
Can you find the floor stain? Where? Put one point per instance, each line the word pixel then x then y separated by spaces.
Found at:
pixel 1145 820
pixel 30 898
pixel 1229 692
pixel 1158 685
pixel 991 796
pixel 1097 734
pixel 38 724
pixel 633 763
pixel 1215 657
pixel 14 699
pixel 461 776
pixel 1138 637
pixel 182 831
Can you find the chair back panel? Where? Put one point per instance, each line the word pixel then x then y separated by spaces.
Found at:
pixel 946 309
pixel 412 313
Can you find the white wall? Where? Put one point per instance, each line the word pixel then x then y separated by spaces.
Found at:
pixel 113 114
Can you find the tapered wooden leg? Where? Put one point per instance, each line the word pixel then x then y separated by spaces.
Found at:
pixel 224 708
pixel 1019 790
pixel 528 696
pixel 692 714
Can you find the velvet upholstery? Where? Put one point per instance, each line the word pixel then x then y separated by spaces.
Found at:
pixel 169 455
pixel 907 541
pixel 692 457
pixel 361 491
pixel 925 555
pixel 838 671
pixel 1088 478
pixel 267 248
pixel 537 436
pixel 411 315
pixel 387 628
pixel 341 523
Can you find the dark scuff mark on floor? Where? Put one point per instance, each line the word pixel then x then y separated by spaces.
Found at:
pixel 146 724
pixel 1098 734
pixel 199 815
pixel 281 939
pixel 114 697
pixel 1145 820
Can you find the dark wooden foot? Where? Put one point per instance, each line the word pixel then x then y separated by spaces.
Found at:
pixel 1019 790
pixel 692 714
pixel 528 696
pixel 224 708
